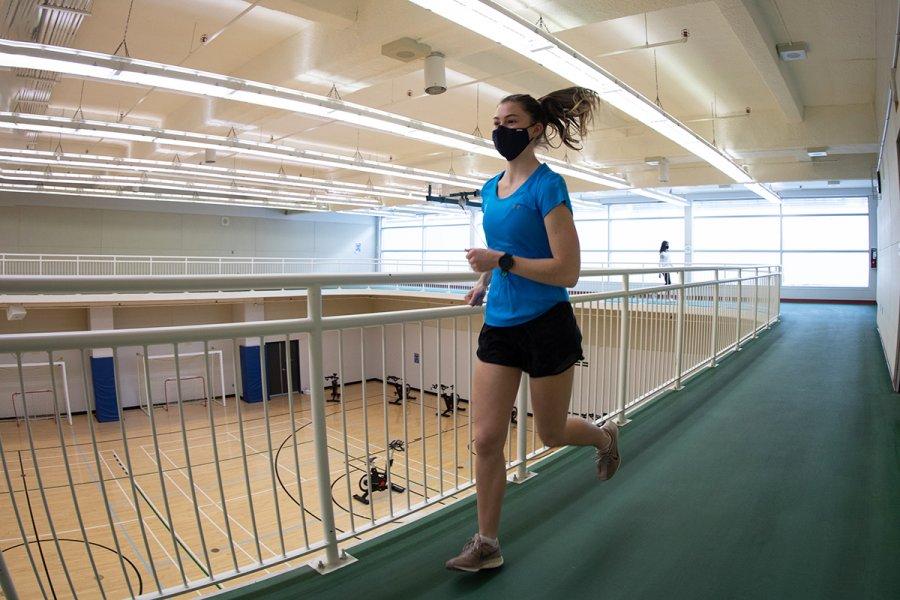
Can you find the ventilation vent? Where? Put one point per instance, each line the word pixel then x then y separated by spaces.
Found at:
pixel 405 50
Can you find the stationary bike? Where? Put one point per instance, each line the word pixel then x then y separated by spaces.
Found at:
pixel 395 381
pixel 335 383
pixel 379 477
pixel 450 398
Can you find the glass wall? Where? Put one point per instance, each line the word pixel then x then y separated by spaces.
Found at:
pixel 818 241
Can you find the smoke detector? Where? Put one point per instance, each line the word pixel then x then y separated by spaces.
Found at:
pixel 792 51
pixel 405 50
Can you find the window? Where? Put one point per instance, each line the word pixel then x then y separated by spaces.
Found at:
pixel 592 235
pixel 646 234
pixel 826 233
pixel 831 269
pixel 401 238
pixel 736 258
pixel 447 237
pixel 736 233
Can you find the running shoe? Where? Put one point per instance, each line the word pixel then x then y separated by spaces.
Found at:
pixel 608 461
pixel 475 556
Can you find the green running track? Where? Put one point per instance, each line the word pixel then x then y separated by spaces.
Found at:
pixel 775 475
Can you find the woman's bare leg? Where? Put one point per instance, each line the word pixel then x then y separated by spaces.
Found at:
pixel 550 398
pixel 494 389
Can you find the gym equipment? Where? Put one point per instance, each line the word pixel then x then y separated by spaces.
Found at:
pixel 38 390
pixel 450 398
pixel 335 387
pixel 162 382
pixel 398 389
pixel 379 478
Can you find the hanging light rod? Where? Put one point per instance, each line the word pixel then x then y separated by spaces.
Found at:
pixel 496 23
pixel 109 67
pixel 188 170
pixel 140 133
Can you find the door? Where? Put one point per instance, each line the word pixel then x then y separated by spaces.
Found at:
pixel 276 367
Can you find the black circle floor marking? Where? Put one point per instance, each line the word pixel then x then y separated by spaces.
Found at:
pixel 137 573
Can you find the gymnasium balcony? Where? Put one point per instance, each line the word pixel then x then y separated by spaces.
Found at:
pixel 148 454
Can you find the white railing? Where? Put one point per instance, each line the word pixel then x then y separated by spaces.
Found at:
pixel 137 265
pixel 146 265
pixel 202 494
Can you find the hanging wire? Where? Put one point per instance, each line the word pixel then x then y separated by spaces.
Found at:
pixel 123 45
pixel 477 132
pixel 656 78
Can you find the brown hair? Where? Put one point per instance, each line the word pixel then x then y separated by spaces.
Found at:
pixel 565 114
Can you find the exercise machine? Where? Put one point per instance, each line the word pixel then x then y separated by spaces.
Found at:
pixel 451 398
pixel 398 385
pixel 378 477
pixel 335 387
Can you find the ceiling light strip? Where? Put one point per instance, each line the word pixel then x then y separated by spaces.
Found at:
pixel 496 23
pixel 140 133
pixel 115 163
pixel 108 67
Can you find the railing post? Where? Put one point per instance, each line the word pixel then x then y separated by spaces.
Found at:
pixel 6 584
pixel 756 303
pixel 40 265
pixel 332 559
pixel 769 286
pixel 679 334
pixel 522 473
pixel 715 324
pixel 740 298
pixel 623 355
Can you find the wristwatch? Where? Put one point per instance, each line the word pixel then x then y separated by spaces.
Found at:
pixel 506 263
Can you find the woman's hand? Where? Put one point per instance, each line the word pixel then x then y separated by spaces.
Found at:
pixel 475 296
pixel 483 259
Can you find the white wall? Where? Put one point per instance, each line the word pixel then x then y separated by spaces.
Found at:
pixel 30 224
pixel 888 296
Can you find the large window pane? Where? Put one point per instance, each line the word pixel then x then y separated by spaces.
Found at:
pixel 401 238
pixel 826 233
pixel 645 258
pixel 733 208
pixel 736 258
pixel 820 206
pixel 447 237
pixel 738 233
pixel 401 262
pixel 593 258
pixel 830 269
pixel 646 234
pixel 455 259
pixel 592 235
pixel 647 210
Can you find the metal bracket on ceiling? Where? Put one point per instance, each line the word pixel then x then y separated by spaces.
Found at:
pixel 461 199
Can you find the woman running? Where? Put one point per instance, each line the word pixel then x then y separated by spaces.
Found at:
pixel 529 325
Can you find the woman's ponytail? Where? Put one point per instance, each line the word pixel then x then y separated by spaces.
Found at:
pixel 568 115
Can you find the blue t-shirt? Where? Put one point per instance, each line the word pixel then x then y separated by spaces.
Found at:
pixel 515 224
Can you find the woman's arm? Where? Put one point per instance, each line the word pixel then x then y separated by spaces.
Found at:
pixel 562 269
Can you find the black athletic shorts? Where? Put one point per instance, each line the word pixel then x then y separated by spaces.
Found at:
pixel 546 345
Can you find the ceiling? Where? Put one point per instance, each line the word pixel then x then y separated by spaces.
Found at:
pixel 721 80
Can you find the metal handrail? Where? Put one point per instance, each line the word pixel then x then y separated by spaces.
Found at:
pixel 735 308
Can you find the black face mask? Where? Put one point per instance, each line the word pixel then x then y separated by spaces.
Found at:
pixel 510 142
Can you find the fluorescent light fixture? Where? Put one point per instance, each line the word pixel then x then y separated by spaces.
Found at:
pixel 493 21
pixel 187 170
pixel 196 199
pixel 108 67
pixel 660 195
pixel 239 192
pixel 139 133
pixel 817 152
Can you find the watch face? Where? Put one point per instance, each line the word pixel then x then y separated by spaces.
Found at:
pixel 506 262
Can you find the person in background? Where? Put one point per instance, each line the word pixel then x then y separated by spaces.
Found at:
pixel 665 262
